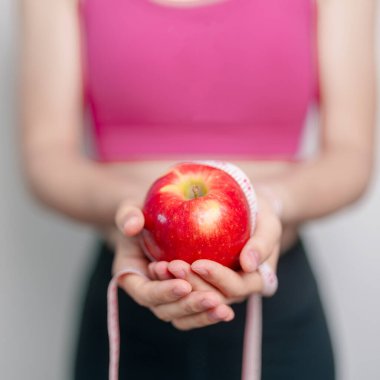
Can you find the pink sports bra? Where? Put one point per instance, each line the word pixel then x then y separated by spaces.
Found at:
pixel 229 78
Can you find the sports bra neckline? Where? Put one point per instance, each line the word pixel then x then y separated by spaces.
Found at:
pixel 189 6
pixel 186 4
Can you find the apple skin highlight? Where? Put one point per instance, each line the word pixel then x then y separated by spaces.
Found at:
pixel 195 212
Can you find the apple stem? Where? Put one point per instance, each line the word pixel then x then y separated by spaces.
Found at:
pixel 196 190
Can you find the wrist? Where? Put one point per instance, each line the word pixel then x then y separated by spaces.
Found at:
pixel 273 199
pixel 111 235
pixel 277 197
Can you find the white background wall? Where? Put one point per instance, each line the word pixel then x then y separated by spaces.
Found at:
pixel 43 260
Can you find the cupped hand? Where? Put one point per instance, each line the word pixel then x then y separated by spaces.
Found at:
pixel 170 299
pixel 262 249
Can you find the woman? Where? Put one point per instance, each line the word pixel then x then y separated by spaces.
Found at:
pixel 171 80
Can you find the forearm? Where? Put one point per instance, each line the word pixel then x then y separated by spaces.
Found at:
pixel 323 185
pixel 75 186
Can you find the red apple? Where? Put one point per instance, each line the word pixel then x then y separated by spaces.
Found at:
pixel 195 212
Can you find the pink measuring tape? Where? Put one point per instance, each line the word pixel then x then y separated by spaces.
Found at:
pixel 253 329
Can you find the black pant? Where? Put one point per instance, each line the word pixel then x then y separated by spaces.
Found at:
pixel 296 342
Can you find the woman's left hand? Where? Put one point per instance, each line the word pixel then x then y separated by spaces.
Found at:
pixel 262 248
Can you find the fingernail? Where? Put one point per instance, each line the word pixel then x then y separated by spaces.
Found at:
pixel 130 221
pixel 213 315
pixel 207 303
pixel 201 270
pixel 218 315
pixel 253 260
pixel 179 273
pixel 222 314
pixel 179 291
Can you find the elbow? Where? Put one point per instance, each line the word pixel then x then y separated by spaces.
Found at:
pixel 362 181
pixel 361 189
pixel 40 173
pixel 33 180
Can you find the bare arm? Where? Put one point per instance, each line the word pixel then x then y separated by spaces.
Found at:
pixel 52 117
pixel 341 172
pixel 64 179
pixel 57 172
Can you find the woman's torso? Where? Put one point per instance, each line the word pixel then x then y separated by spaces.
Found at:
pixel 232 79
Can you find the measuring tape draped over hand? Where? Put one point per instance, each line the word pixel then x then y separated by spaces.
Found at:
pixel 253 327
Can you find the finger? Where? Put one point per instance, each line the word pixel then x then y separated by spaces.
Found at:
pixel 221 313
pixel 225 279
pixel 194 303
pixel 161 270
pixel 268 274
pixel 261 245
pixel 269 280
pixel 129 219
pixel 274 257
pixel 152 272
pixel 152 293
pixel 182 269
pixel 264 280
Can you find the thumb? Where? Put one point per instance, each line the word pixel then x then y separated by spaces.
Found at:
pixel 129 219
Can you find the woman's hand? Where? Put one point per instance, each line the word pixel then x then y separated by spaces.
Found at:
pixel 262 248
pixel 172 299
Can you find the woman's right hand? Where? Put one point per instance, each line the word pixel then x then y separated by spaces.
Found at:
pixel 171 300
